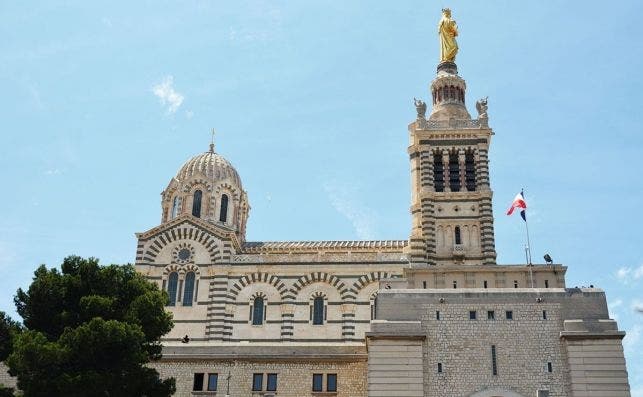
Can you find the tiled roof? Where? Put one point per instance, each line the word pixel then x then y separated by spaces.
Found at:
pixel 338 245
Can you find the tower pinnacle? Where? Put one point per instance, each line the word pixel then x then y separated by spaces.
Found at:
pixel 212 141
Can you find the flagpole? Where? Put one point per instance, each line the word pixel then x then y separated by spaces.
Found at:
pixel 529 263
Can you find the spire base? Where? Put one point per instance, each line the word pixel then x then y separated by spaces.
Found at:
pixel 448 68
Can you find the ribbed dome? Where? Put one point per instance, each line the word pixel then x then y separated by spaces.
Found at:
pixel 208 187
pixel 211 165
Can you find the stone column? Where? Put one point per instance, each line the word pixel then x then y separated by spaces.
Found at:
pixel 463 170
pixel 445 166
pixel 287 320
pixel 348 320
pixel 220 313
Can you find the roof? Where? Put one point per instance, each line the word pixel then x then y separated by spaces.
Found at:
pixel 332 245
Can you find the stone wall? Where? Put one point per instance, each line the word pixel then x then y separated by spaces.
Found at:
pixel 294 379
pixel 5 379
pixel 530 354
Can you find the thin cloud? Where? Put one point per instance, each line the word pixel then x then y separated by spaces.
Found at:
pixel 637 306
pixel 53 171
pixel 168 96
pixel 632 338
pixel 613 308
pixel 627 274
pixel 361 217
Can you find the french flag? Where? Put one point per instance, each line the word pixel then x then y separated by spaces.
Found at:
pixel 519 202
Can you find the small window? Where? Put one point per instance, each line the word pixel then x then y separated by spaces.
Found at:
pixel 223 213
pixel 318 311
pixel 317 382
pixel 494 363
pixel 373 307
pixel 439 368
pixel 515 283
pixel 491 315
pixel 197 385
pixel 437 315
pixel 271 384
pixel 546 283
pixel 331 382
pixel 550 368
pixel 175 207
pixel 172 284
pixel 188 291
pixel 424 284
pixel 213 380
pixel 458 238
pixel 509 315
pixel 196 203
pixel 484 283
pixel 455 284
pixel 544 314
pixel 258 311
pixel 472 315
pixel 257 382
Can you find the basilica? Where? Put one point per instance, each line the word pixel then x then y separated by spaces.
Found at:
pixel 431 314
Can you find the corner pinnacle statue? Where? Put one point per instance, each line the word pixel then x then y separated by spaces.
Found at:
pixel 448 30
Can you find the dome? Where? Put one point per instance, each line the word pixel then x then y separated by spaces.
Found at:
pixel 208 187
pixel 210 165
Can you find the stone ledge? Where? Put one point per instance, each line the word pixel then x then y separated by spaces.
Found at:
pixel 579 335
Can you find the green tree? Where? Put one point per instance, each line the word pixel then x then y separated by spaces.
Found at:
pixel 90 330
pixel 8 331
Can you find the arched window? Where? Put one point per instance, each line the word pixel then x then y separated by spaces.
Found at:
pixel 458 237
pixel 188 290
pixel 223 214
pixel 258 311
pixel 196 204
pixel 172 283
pixel 175 207
pixel 318 311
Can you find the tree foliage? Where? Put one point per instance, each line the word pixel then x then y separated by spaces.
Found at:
pixel 90 330
pixel 8 331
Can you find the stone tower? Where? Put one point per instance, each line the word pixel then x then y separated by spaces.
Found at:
pixel 450 190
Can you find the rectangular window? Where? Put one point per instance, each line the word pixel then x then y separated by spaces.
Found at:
pixel 437 315
pixel 213 380
pixel 491 315
pixel 546 283
pixel 439 368
pixel 484 283
pixel 317 382
pixel 331 382
pixel 455 284
pixel 509 315
pixel 198 382
pixel 318 311
pixel 424 284
pixel 257 382
pixel 472 315
pixel 544 314
pixel 494 364
pixel 550 368
pixel 271 384
pixel 515 283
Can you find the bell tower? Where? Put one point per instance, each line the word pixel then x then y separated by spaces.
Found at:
pixel 452 220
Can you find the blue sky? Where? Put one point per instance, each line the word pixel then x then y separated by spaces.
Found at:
pixel 103 101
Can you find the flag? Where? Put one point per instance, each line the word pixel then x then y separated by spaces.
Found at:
pixel 519 202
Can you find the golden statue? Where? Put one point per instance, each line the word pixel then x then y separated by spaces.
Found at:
pixel 448 30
